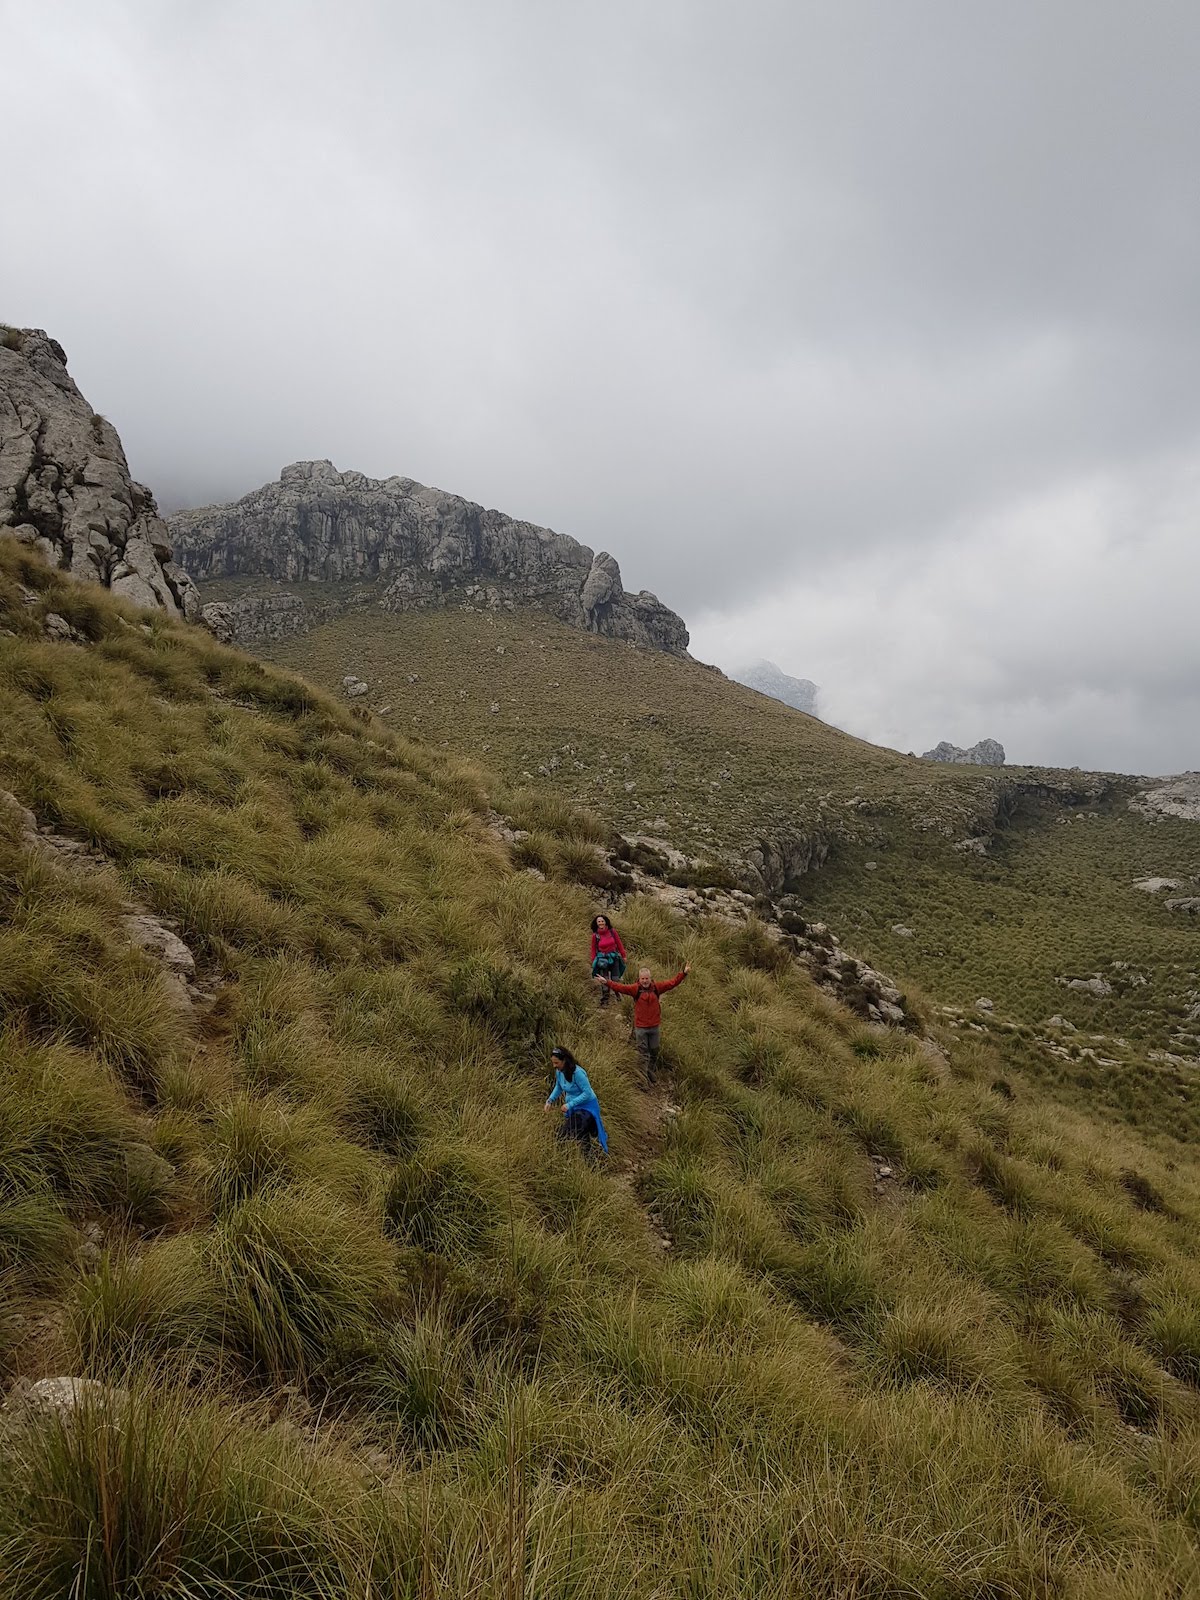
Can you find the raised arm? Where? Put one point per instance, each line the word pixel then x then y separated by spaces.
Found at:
pixel 673 983
pixel 621 988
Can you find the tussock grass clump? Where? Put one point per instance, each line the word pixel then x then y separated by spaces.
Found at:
pixel 136 1309
pixel 299 1283
pixel 374 1331
pixel 444 1202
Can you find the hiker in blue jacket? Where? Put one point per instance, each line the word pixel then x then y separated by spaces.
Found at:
pixel 581 1110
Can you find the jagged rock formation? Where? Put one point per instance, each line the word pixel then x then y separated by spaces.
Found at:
pixel 767 678
pixel 65 488
pixel 426 547
pixel 987 753
pixel 770 864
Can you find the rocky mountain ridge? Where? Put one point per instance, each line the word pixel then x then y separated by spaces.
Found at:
pixel 65 486
pixel 418 546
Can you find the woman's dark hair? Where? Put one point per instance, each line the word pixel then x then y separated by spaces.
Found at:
pixel 596 922
pixel 566 1061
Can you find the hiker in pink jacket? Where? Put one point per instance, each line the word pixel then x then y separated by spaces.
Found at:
pixel 608 953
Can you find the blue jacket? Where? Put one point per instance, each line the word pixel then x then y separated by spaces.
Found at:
pixel 578 1095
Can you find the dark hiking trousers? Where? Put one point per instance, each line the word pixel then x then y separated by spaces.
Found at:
pixel 648 1042
pixel 580 1126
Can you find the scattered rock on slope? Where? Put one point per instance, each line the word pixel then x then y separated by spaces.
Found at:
pixel 65 488
pixel 1095 985
pixel 157 937
pixel 987 753
pixel 32 1402
pixel 317 524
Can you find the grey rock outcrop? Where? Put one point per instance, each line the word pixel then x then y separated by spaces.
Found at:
pixel 65 488
pixel 262 617
pixel 987 753
pixel 1170 797
pixel 767 678
pixel 422 546
pixel 771 864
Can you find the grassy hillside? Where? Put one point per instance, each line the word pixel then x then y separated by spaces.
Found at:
pixel 844 1316
pixel 671 748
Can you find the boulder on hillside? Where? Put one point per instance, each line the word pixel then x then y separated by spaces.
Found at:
pixel 1095 985
pixel 65 487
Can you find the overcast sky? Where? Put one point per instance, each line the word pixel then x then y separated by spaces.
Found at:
pixel 866 334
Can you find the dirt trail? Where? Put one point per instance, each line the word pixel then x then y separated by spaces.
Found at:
pixel 656 1107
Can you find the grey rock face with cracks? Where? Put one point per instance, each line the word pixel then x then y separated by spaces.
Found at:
pixel 65 488
pixel 420 546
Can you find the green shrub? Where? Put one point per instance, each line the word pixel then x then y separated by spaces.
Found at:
pixel 158 1493
pixel 64 1125
pixel 833 1280
pixel 419 1386
pixel 512 1004
pixel 922 1341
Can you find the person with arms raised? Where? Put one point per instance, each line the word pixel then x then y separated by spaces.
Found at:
pixel 647 1012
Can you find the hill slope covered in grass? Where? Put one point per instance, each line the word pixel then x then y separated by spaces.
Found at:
pixel 670 748
pixel 364 1329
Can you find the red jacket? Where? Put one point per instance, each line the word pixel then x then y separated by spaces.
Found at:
pixel 610 939
pixel 647 1013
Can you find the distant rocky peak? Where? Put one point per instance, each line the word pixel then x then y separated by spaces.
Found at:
pixel 987 753
pixel 768 679
pixel 65 487
pixel 419 546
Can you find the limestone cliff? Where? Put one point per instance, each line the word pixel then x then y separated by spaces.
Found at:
pixel 420 546
pixel 65 488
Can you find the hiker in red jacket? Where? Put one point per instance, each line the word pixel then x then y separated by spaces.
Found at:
pixel 647 1013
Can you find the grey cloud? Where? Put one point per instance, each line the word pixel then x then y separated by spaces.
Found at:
pixel 764 297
